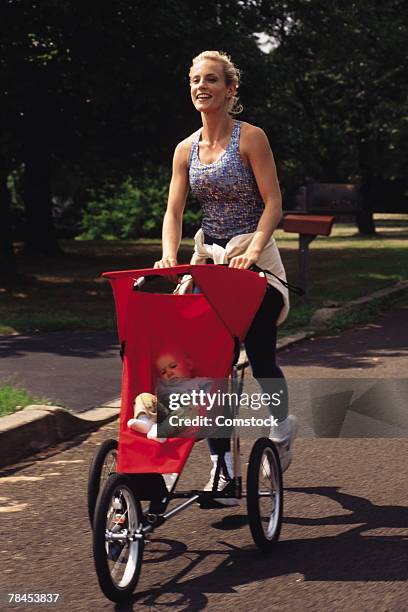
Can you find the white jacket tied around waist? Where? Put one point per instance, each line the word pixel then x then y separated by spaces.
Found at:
pixel 269 259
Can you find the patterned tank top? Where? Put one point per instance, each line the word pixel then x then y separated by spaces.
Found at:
pixel 226 190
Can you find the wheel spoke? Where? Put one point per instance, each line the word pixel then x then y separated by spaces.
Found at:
pixel 122 569
pixel 117 558
pixel 109 467
pixel 268 509
pixel 264 494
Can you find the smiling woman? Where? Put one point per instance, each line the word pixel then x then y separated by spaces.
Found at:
pixel 229 166
pixel 229 74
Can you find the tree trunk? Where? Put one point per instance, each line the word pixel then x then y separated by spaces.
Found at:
pixel 8 267
pixel 40 238
pixel 365 223
pixel 364 218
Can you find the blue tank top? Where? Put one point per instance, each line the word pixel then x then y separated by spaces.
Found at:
pixel 226 190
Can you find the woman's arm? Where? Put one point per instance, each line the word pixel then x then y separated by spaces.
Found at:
pixel 257 153
pixel 173 218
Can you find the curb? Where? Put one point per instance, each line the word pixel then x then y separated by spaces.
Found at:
pixel 37 427
pixel 281 344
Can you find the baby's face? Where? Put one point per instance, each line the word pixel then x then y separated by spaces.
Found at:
pixel 173 367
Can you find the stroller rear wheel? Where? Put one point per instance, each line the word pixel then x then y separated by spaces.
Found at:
pixel 103 465
pixel 118 541
pixel 264 494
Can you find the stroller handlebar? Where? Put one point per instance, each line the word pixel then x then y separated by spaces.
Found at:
pixel 154 273
pixel 149 272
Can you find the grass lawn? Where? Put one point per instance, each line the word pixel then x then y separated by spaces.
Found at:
pixel 68 293
pixel 13 399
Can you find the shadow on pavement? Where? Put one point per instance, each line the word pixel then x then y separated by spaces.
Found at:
pixel 349 556
pixel 44 454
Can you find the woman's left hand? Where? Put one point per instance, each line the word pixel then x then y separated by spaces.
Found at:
pixel 244 261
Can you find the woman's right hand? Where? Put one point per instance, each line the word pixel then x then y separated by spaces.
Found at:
pixel 165 262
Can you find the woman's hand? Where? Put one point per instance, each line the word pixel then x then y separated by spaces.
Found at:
pixel 245 260
pixel 165 262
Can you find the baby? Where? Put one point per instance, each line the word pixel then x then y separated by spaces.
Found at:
pixel 176 375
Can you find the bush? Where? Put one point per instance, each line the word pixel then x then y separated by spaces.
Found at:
pixel 134 209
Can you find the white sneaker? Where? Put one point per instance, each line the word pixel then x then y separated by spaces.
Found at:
pixel 222 481
pixel 284 436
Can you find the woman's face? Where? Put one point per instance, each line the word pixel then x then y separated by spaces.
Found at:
pixel 209 91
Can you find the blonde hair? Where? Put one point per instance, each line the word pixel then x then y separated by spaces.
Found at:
pixel 232 75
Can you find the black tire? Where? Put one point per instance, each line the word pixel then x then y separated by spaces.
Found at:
pixel 103 464
pixel 117 562
pixel 264 511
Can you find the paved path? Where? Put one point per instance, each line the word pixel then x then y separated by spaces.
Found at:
pixel 376 350
pixel 343 543
pixel 342 548
pixel 78 370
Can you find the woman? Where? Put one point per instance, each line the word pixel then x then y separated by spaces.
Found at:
pixel 231 170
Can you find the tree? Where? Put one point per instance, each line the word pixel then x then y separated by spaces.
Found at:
pixel 7 259
pixel 95 85
pixel 340 71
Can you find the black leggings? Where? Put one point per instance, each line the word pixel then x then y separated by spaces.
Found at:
pixel 260 347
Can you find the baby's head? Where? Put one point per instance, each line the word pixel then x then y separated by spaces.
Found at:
pixel 173 365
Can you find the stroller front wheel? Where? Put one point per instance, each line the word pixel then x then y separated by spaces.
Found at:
pixel 103 464
pixel 118 540
pixel 264 494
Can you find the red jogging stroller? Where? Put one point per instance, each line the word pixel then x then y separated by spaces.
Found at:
pixel 209 326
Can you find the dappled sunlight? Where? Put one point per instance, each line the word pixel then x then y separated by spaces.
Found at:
pixel 53 279
pixel 64 461
pixel 20 296
pixel 14 479
pixel 342 267
pixel 386 532
pixel 8 505
pixel 374 276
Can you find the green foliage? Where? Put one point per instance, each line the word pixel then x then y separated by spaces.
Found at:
pixel 132 210
pixel 338 90
pixel 102 87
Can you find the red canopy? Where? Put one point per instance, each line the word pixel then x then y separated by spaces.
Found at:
pixel 203 326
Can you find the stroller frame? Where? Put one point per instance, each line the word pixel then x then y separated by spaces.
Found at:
pixel 121 528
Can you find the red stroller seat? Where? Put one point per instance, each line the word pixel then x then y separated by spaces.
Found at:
pixel 206 326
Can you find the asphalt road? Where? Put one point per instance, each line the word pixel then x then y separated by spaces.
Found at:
pixel 77 370
pixel 344 540
pixel 343 543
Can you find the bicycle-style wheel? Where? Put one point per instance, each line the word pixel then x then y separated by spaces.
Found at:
pixel 264 494
pixel 103 464
pixel 117 539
